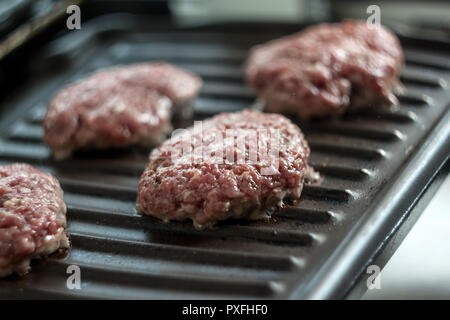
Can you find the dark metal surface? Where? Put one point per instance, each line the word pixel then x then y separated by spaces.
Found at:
pixel 13 13
pixel 375 167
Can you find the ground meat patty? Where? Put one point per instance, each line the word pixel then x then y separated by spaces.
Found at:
pixel 118 107
pixel 32 217
pixel 216 185
pixel 327 68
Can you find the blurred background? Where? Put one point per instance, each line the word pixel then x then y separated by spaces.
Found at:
pixel 433 14
pixel 421 266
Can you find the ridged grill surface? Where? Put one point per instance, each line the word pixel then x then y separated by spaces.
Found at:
pixel 125 255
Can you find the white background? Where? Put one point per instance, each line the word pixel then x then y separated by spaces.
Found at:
pixel 420 268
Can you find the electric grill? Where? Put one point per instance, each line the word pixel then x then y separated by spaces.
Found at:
pixel 378 168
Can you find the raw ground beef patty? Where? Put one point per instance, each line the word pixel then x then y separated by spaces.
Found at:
pixel 178 184
pixel 32 217
pixel 118 107
pixel 326 69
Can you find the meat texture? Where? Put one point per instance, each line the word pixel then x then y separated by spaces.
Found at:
pixel 118 107
pixel 204 175
pixel 327 69
pixel 32 217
